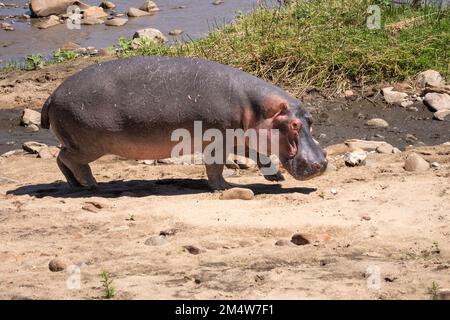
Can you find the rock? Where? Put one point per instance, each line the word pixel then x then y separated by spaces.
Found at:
pixel 365 216
pixel 240 162
pixel 150 6
pixel 337 149
pixel 429 76
pixel 48 23
pixel 6 26
pixel 355 158
pixel 89 21
pixel 12 153
pixel 44 8
pixel 169 232
pixel 414 162
pixel 282 243
pixel 299 240
pixel 185 159
pixel 441 114
pixel 134 12
pixel 407 103
pixel 367 145
pixel 30 117
pixel 105 52
pixel 151 34
pixel 94 206
pixel 377 122
pixel 435 165
pixel 32 128
pixel 94 12
pixel 70 46
pixel 175 32
pixel 107 5
pixel 33 147
pixel 57 265
pixel 348 93
pixel 48 152
pixel 156 241
pixel 444 294
pixel 333 191
pixel 437 101
pixel 92 51
pixel 217 2
pixel 148 162
pixel 116 22
pixel 410 138
pixel 237 193
pixel 392 96
pixel 192 249
pixel 385 148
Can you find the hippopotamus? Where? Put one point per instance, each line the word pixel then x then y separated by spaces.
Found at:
pixel 130 107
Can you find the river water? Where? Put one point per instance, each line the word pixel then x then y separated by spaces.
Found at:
pixel 196 18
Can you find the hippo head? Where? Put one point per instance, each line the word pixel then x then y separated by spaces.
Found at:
pixel 299 153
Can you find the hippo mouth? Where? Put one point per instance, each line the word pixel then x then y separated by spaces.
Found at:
pixel 292 148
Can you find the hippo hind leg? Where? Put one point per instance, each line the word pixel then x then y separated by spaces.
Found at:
pixel 76 169
pixel 215 177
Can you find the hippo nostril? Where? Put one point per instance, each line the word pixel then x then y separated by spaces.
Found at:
pixel 316 166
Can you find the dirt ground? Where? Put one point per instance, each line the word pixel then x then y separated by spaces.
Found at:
pixel 381 217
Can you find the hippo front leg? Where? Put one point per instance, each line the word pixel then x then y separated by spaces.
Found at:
pixel 215 177
pixel 268 169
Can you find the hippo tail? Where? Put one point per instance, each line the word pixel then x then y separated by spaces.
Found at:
pixel 45 121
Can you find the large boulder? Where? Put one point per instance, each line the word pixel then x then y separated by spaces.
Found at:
pixel 430 76
pixel 414 162
pixel 116 22
pixel 49 22
pixel 151 34
pixel 108 5
pixel 44 8
pixel 150 6
pixel 134 12
pixel 437 101
pixel 30 117
pixel 94 13
pixel 392 96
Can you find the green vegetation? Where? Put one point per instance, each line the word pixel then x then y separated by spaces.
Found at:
pixel 434 291
pixel 34 62
pixel 108 289
pixel 61 56
pixel 323 43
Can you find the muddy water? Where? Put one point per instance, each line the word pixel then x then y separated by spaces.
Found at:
pixel 12 135
pixel 196 19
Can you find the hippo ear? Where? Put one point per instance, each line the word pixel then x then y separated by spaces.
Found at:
pixel 274 107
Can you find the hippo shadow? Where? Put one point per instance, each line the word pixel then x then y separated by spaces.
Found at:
pixel 143 188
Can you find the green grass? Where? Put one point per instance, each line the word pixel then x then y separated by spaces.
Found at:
pixel 109 291
pixel 434 290
pixel 325 44
pixel 34 62
pixel 62 56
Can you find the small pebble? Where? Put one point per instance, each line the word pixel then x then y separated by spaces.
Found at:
pixel 57 265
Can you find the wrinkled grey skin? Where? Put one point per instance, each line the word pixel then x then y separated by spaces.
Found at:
pixel 130 107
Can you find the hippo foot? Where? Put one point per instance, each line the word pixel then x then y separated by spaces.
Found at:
pixel 220 185
pixel 277 177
